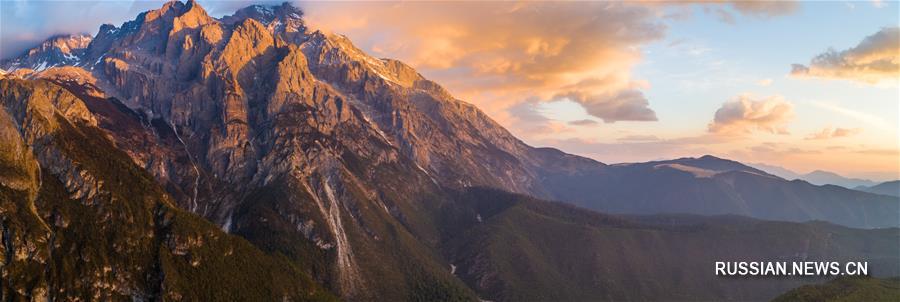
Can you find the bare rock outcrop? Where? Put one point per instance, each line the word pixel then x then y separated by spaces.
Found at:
pixel 56 51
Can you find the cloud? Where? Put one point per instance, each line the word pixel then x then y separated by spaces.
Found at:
pixel 764 82
pixel 829 132
pixel 876 59
pixel 863 117
pixel 765 9
pixel 584 122
pixel 24 24
pixel 494 55
pixel 775 151
pixel 624 105
pixel 726 11
pixel 744 114
pixel 498 54
pixel 638 138
pixel 880 152
pixel 528 118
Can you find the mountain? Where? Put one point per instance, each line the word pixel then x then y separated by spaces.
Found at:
pixel 817 177
pixel 231 121
pixel 361 175
pixel 222 85
pixel 56 51
pixel 77 209
pixel 712 186
pixel 777 171
pixel 890 188
pixel 820 177
pixel 514 248
pixel 847 289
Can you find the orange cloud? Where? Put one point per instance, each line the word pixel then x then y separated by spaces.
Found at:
pixel 829 132
pixel 726 10
pixel 764 9
pixel 498 54
pixel 744 114
pixel 624 105
pixel 876 59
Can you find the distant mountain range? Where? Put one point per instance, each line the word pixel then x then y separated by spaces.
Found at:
pixel 713 186
pixel 890 188
pixel 817 177
pixel 510 248
pixel 251 158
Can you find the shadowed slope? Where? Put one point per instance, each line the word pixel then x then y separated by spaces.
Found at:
pixel 80 220
pixel 513 248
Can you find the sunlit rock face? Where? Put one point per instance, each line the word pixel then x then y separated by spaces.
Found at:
pixel 79 220
pixel 223 110
pixel 56 51
pixel 310 148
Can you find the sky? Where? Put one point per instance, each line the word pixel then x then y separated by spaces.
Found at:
pixel 801 85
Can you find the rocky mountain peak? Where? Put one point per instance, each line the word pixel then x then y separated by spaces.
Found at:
pixel 55 51
pixel 210 80
pixel 283 20
pixel 329 49
pixel 249 41
pixel 174 9
pixel 153 31
pixel 66 44
pixel 265 14
pixel 191 16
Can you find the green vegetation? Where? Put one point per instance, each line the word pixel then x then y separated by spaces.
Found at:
pixel 846 289
pixel 531 250
pixel 394 264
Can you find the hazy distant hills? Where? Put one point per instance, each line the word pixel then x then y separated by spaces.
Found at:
pixel 817 177
pixel 514 248
pixel 714 186
pixel 891 188
pixel 820 177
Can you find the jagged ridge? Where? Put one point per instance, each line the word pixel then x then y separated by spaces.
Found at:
pixel 308 147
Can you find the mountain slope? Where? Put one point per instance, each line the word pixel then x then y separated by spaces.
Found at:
pixel 56 51
pixel 75 208
pixel 262 147
pixel 514 248
pixel 777 171
pixel 890 188
pixel 713 186
pixel 847 289
pixel 221 84
pixel 817 177
pixel 820 177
